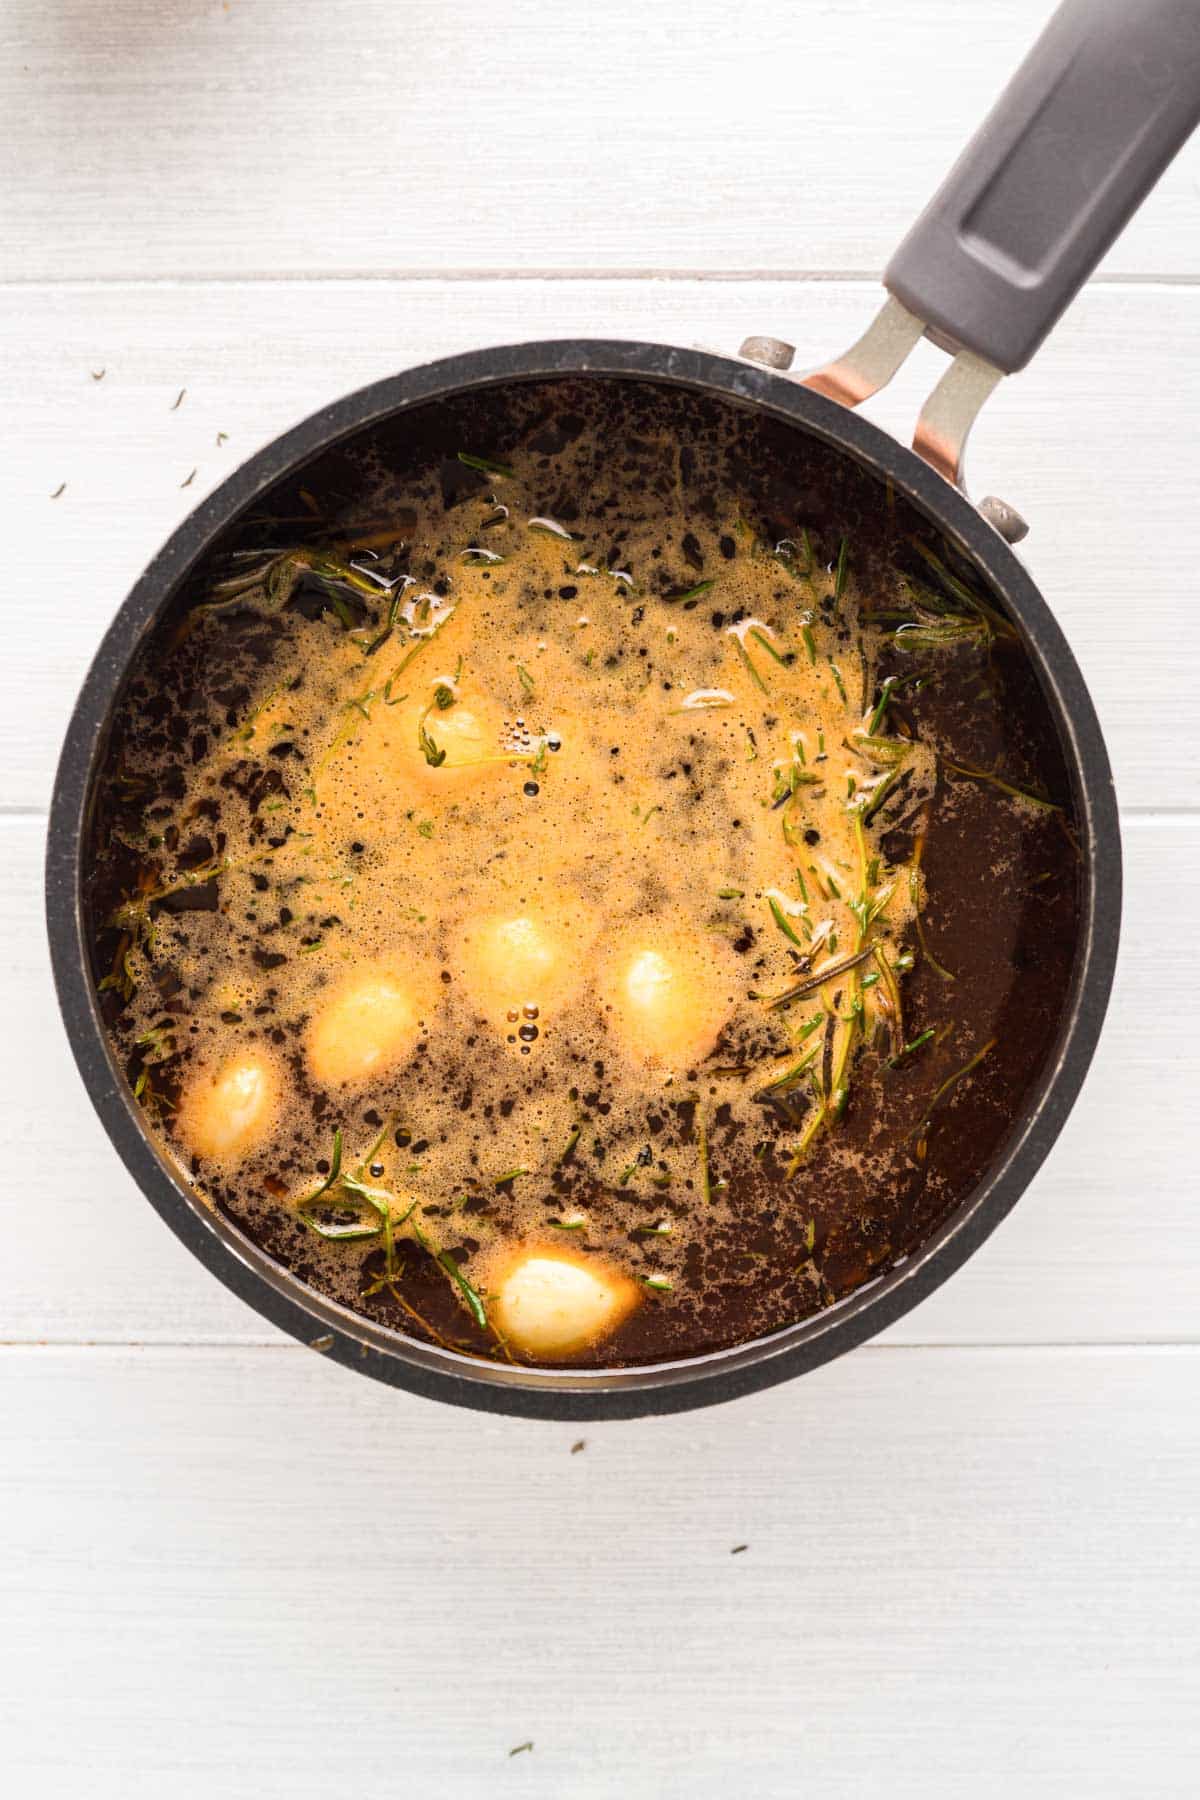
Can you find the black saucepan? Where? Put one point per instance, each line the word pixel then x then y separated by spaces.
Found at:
pixel 1093 116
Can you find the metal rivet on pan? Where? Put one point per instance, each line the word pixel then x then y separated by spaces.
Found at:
pixel 1004 518
pixel 771 351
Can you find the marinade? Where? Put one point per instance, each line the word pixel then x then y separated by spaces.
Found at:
pixel 583 875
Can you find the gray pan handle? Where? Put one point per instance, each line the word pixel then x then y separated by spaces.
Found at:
pixel 1101 104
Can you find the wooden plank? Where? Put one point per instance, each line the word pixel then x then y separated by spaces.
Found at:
pixel 1104 1247
pixel 237 1572
pixel 371 136
pixel 1088 443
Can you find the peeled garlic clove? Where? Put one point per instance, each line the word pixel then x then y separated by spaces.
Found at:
pixel 550 1305
pixel 228 1111
pixel 370 1024
pixel 669 994
pixel 524 959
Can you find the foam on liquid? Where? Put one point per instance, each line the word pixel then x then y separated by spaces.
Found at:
pixel 530 846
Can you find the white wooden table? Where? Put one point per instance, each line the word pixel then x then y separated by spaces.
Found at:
pixel 230 1569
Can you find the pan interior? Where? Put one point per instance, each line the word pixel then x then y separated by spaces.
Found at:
pixel 658 512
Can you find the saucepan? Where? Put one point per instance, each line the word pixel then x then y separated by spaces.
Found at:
pixel 1093 116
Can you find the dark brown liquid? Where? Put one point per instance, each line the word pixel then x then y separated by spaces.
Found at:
pixel 679 493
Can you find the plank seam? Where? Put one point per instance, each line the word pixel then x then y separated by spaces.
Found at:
pixel 485 276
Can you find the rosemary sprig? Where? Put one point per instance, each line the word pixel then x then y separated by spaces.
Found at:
pixel 959 590
pixel 816 1119
pixel 868 907
pixel 991 779
pixel 819 978
pixel 940 634
pixel 393 614
pixel 838 1091
pixel 790 776
pixel 345 1191
pixel 891 987
pixel 791 1076
pixel 884 751
pixel 914 890
pixel 950 1082
pixel 135 911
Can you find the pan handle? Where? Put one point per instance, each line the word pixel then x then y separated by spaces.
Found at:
pixel 1104 100
pixel 1101 104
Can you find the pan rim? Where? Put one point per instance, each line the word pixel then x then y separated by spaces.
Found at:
pixel 652 1388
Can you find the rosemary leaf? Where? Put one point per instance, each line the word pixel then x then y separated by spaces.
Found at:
pixel 335 1169
pixel 485 465
pixel 569 1149
pixel 443 1257
pixel 784 923
pixel 434 756
pixel 914 1044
